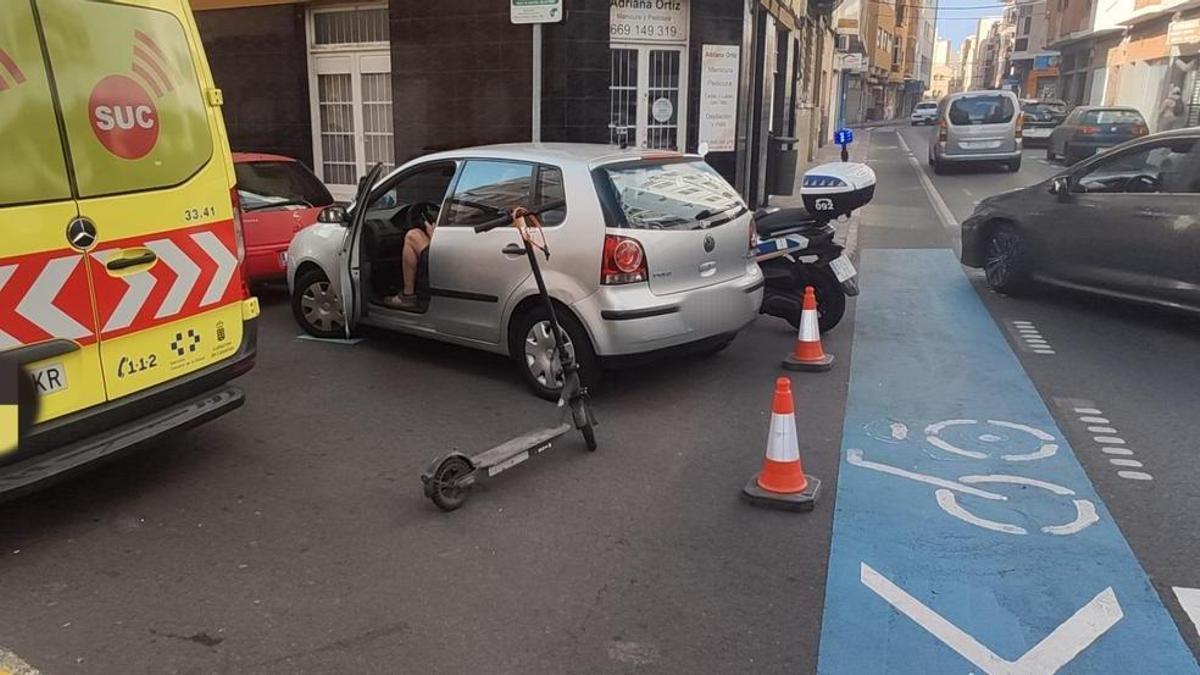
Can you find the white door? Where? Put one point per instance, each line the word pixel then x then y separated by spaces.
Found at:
pixel 352 115
pixel 648 96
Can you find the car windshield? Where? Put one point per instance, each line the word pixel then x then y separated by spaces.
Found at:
pixel 262 185
pixel 1102 117
pixel 973 110
pixel 673 196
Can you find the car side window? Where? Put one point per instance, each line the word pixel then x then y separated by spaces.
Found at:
pixel 1165 167
pixel 550 189
pixel 428 183
pixel 487 189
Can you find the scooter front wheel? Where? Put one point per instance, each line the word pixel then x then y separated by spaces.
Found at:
pixel 589 435
pixel 444 488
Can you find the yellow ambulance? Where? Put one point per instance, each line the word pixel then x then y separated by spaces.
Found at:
pixel 121 290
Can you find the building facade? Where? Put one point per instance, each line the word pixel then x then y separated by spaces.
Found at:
pixel 344 86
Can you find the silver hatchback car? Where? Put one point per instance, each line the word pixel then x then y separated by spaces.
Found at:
pixel 650 255
pixel 977 126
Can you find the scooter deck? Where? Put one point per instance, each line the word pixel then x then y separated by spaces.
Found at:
pixel 529 442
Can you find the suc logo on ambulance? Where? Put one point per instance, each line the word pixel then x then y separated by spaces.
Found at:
pixel 123 117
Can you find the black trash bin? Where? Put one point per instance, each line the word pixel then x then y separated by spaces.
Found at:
pixel 782 158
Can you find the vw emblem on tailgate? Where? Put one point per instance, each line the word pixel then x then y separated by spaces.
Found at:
pixel 709 243
pixel 81 234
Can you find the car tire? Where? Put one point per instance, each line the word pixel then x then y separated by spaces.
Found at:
pixel 1015 165
pixel 1006 259
pixel 536 365
pixel 1069 158
pixel 316 307
pixel 939 167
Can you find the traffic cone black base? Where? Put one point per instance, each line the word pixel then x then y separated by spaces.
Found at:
pixel 792 363
pixel 793 501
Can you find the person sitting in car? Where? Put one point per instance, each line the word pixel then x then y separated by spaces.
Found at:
pixel 420 220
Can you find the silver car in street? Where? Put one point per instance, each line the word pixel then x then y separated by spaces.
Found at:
pixel 977 126
pixel 649 256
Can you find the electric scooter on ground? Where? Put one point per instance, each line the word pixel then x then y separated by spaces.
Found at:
pixel 449 479
pixel 796 247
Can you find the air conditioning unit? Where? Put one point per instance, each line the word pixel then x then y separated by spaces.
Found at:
pixel 842 43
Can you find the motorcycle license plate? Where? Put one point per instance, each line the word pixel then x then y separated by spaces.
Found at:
pixel 842 268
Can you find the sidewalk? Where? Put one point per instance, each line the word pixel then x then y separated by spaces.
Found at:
pixel 847 229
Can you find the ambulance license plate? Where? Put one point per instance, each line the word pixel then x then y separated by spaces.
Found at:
pixel 842 268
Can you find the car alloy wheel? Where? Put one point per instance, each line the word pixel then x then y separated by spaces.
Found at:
pixel 541 356
pixel 321 307
pixel 1006 263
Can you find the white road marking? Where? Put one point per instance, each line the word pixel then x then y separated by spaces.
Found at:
pixel 1088 411
pixel 939 204
pixel 1109 440
pixel 1085 515
pixel 855 456
pixel 1094 420
pixel 1044 351
pixel 1018 480
pixel 1116 451
pixel 1102 430
pixel 1135 475
pixel 1023 323
pixel 1189 599
pixel 1056 650
pixel 1131 463
pixel 946 500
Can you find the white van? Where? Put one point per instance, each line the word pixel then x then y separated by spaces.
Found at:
pixel 977 126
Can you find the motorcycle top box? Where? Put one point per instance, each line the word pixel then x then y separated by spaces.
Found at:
pixel 836 189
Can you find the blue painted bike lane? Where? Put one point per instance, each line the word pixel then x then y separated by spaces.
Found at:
pixel 967 537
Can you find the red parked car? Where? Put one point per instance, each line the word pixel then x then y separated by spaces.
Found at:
pixel 280 197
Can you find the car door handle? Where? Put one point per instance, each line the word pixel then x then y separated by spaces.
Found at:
pixel 513 249
pixel 145 258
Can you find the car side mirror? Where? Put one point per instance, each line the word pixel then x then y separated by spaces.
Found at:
pixel 332 214
pixel 1061 186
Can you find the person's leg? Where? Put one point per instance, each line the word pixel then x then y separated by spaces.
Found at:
pixel 415 242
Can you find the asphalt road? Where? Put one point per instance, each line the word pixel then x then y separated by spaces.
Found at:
pixel 292 535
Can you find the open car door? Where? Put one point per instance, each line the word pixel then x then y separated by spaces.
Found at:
pixel 350 262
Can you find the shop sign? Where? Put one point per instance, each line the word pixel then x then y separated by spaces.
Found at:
pixel 855 63
pixel 648 20
pixel 1184 32
pixel 535 11
pixel 718 97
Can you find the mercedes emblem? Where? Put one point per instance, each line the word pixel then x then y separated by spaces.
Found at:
pixel 81 234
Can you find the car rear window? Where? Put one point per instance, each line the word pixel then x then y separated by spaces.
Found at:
pixel 1112 117
pixel 975 110
pixel 926 106
pixel 686 195
pixel 262 184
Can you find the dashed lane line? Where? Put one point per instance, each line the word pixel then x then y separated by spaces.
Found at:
pixel 1110 443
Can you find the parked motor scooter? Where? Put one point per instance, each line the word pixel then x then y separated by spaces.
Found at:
pixel 796 246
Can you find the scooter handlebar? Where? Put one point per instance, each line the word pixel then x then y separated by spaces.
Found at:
pixel 507 218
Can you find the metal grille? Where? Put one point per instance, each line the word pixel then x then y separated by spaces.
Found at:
pixel 662 114
pixel 336 102
pixel 377 119
pixel 355 27
pixel 622 91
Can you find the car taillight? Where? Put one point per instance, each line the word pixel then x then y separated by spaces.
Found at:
pixel 1140 130
pixel 1088 130
pixel 1020 124
pixel 237 235
pixel 624 261
pixel 942 130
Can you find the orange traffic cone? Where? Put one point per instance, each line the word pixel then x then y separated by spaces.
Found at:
pixel 782 484
pixel 808 354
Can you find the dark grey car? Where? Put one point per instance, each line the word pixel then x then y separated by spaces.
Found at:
pixel 1090 129
pixel 1125 224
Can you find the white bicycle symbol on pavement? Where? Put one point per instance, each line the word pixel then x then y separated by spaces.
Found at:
pixel 947 490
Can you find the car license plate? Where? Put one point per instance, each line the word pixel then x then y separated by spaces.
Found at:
pixel 49 379
pixel 1036 132
pixel 980 145
pixel 842 268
